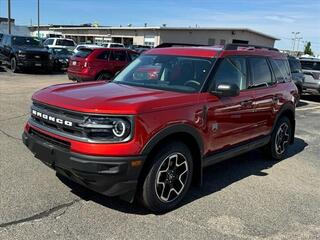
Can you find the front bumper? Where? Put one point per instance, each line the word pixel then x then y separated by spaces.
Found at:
pixel 110 176
pixel 33 64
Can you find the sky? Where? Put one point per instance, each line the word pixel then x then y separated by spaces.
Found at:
pixel 278 18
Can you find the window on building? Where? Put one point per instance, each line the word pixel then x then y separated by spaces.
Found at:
pixel 260 71
pixel 232 70
pixel 211 41
pixel 237 41
pixel 149 41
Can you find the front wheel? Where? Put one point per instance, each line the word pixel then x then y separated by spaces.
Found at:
pixel 280 139
pixel 169 177
pixel 13 65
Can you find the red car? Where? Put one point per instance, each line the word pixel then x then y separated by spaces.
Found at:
pixel 99 63
pixel 170 113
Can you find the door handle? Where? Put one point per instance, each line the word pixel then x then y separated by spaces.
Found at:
pixel 246 103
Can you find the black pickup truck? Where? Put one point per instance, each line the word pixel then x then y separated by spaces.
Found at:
pixel 20 52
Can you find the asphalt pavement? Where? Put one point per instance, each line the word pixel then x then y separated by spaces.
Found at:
pixel 248 197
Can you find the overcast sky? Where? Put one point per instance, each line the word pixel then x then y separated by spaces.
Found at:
pixel 275 17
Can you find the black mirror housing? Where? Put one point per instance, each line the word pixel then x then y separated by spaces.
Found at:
pixel 227 90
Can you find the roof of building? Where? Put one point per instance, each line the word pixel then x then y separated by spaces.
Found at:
pixel 162 28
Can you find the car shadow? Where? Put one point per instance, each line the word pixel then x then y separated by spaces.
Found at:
pixel 313 98
pixel 215 178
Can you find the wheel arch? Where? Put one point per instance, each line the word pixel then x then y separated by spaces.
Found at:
pixel 287 110
pixel 177 132
pixel 102 71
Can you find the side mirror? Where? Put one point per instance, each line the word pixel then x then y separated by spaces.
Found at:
pixel 227 90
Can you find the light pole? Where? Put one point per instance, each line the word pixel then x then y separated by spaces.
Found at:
pixel 294 39
pixel 38 27
pixel 299 38
pixel 9 16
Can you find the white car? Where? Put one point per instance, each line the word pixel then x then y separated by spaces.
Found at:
pixel 113 45
pixel 59 42
pixel 82 46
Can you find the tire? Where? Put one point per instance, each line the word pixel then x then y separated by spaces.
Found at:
pixel 104 76
pixel 13 65
pixel 299 95
pixel 171 168
pixel 280 139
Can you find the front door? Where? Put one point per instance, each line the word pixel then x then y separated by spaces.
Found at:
pixel 230 120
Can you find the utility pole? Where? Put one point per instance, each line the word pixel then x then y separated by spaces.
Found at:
pixel 38 28
pixel 294 40
pixel 299 38
pixel 9 16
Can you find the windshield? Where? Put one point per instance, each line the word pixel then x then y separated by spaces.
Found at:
pixel 62 51
pixel 310 65
pixel 172 73
pixel 26 41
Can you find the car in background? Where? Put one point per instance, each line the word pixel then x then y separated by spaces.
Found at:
pixel 83 46
pixel 311 70
pixel 21 52
pixel 60 58
pixel 296 73
pixel 1 57
pixel 113 45
pixel 99 64
pixel 139 48
pixel 60 42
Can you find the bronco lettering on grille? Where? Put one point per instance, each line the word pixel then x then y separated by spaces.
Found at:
pixel 51 118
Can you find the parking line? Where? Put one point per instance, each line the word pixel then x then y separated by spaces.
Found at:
pixel 308 108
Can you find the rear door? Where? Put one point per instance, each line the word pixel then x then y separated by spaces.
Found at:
pixel 265 94
pixel 231 120
pixel 118 59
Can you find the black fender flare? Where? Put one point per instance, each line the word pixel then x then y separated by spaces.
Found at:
pixel 172 129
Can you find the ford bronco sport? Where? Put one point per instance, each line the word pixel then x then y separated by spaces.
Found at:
pixel 149 133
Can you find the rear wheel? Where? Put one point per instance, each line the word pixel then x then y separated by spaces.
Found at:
pixel 280 139
pixel 104 76
pixel 169 177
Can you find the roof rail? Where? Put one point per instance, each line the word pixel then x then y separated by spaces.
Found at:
pixel 167 45
pixel 236 46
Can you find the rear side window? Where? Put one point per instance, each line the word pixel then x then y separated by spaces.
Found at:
pixel 83 53
pixel 48 42
pixel 65 42
pixel 310 65
pixel 232 70
pixel 295 65
pixel 281 69
pixel 260 71
pixel 104 55
pixel 118 56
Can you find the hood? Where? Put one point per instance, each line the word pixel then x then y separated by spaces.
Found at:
pixel 29 49
pixel 112 98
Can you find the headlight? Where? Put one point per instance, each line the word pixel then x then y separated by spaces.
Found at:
pixel 115 129
pixel 50 56
pixel 21 54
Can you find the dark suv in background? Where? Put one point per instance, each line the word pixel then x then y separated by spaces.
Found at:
pixel 297 74
pixel 20 52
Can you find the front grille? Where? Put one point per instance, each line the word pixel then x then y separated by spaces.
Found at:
pixel 58 113
pixel 37 56
pixel 52 140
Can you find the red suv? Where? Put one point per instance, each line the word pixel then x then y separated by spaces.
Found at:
pixel 99 63
pixel 170 113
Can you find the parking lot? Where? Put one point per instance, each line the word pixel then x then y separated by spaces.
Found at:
pixel 248 197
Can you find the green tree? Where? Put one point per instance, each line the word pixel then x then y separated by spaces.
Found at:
pixel 307 49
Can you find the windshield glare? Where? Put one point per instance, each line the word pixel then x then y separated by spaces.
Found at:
pixel 173 73
pixel 26 41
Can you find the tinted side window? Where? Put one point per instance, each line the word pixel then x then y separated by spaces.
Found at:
pixel 310 65
pixel 104 55
pixel 295 65
pixel 280 69
pixel 64 42
pixel 133 56
pixel 260 71
pixel 118 56
pixel 232 70
pixel 48 42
